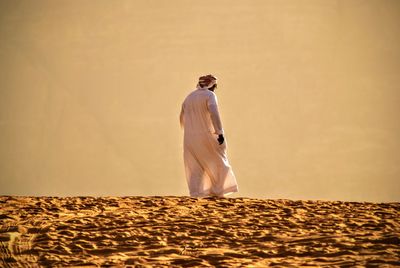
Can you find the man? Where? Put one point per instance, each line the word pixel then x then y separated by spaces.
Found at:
pixel 208 172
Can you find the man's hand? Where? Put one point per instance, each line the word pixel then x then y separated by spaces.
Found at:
pixel 220 139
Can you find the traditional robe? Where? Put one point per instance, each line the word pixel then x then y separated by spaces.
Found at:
pixel 208 172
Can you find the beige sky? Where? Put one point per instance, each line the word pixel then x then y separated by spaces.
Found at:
pixel 309 95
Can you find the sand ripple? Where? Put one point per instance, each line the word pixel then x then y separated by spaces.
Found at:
pixel 183 231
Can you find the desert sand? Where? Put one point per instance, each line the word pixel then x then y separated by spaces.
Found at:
pixel 172 231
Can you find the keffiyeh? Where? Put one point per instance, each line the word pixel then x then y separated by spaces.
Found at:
pixel 207 81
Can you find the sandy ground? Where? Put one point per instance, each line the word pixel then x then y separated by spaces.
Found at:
pixel 175 231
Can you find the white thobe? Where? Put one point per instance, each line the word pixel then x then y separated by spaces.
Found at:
pixel 208 172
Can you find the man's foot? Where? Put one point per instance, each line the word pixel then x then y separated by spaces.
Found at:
pixel 210 197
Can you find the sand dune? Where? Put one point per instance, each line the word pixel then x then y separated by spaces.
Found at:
pixel 183 231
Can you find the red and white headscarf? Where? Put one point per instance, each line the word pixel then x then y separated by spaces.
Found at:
pixel 207 81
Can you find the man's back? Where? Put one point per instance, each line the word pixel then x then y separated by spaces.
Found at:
pixel 196 113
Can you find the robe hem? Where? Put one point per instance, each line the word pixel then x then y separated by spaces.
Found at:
pixel 225 192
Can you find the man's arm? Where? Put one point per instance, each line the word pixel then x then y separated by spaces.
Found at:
pixel 214 114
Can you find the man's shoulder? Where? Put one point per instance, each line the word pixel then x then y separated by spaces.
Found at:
pixel 198 92
pixel 204 92
pixel 191 93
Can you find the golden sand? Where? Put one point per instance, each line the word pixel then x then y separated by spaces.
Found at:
pixel 176 231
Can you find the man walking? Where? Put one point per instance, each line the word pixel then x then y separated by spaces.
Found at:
pixel 208 172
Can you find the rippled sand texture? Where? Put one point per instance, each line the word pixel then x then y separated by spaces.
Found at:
pixel 184 231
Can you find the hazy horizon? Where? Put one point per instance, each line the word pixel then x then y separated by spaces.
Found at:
pixel 308 92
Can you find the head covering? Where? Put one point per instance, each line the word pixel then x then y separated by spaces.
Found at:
pixel 207 81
